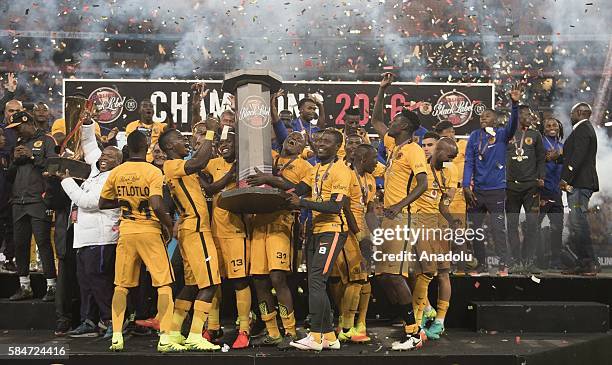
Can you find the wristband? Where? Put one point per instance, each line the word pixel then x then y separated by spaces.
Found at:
pixel 360 236
pixel 210 135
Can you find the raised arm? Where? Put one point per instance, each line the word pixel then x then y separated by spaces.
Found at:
pixel 202 155
pixel 169 121
pixel 279 128
pixel 89 143
pixel 199 92
pixel 379 106
pixel 510 128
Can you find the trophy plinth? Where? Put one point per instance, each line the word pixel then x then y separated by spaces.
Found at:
pixel 77 169
pixel 252 89
pixel 254 199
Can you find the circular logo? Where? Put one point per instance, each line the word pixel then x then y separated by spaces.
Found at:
pixel 528 141
pixel 479 108
pixel 425 108
pixel 130 105
pixel 254 112
pixel 38 144
pixel 454 107
pixel 109 103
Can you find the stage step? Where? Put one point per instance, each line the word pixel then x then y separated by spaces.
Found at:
pixel 9 283
pixel 26 315
pixel 521 316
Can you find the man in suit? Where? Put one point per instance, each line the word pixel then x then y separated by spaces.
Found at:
pixel 579 180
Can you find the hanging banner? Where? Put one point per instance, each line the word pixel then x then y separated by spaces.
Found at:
pixel 119 100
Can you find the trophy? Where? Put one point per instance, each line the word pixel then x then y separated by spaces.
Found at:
pixel 77 109
pixel 252 89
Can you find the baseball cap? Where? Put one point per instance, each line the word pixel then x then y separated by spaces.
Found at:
pixel 20 118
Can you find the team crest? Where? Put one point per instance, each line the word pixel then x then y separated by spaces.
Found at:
pixel 528 141
pixel 38 144
pixel 492 140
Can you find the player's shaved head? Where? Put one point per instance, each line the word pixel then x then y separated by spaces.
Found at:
pixel 137 143
pixel 338 137
pixel 167 138
pixel 448 146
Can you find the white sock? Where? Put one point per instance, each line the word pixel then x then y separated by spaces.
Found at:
pixel 441 320
pixel 24 281
pixel 51 282
pixel 428 308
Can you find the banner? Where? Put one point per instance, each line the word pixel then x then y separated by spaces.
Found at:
pixel 119 100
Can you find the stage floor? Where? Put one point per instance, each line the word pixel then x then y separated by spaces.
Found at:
pixel 456 347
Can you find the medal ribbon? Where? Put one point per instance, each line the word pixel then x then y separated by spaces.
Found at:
pixel 364 189
pixel 552 146
pixel 279 172
pixel 482 148
pixel 319 188
pixel 521 146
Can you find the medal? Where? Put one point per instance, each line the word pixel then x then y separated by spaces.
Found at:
pixel 520 152
pixel 520 155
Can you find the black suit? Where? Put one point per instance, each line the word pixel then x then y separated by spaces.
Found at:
pixel 579 153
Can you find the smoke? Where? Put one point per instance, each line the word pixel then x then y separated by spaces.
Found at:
pixel 604 161
pixel 292 37
pixel 589 21
pixel 581 21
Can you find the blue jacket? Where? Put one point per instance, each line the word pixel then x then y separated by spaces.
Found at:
pixel 553 168
pixel 281 135
pixel 299 125
pixel 489 171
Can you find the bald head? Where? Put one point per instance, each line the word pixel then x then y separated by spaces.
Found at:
pixel 580 112
pixel 446 150
pixel 110 158
pixel 12 107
